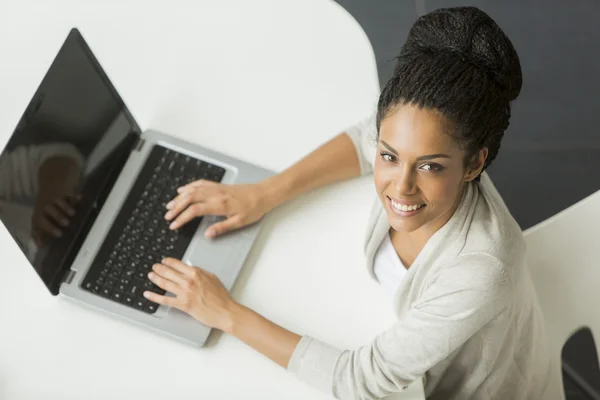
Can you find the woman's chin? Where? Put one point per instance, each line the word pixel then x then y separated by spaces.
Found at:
pixel 401 224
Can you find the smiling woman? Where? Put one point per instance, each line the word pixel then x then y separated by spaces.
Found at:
pixel 440 239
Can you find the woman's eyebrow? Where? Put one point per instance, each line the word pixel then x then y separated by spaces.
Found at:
pixel 420 158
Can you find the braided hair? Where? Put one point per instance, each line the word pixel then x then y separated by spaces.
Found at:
pixel 458 62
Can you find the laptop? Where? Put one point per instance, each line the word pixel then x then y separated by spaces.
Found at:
pixel 83 192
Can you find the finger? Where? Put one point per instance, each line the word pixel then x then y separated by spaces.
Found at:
pixel 159 299
pixel 186 198
pixel 65 207
pixel 168 272
pixel 196 210
pixel 163 283
pixel 45 225
pixel 196 184
pixel 74 198
pixel 56 214
pixel 179 266
pixel 223 227
pixel 178 204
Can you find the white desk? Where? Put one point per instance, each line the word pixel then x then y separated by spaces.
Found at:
pixel 233 76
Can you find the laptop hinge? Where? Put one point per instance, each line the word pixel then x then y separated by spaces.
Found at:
pixel 69 275
pixel 139 144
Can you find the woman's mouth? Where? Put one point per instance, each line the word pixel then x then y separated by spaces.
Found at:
pixel 405 209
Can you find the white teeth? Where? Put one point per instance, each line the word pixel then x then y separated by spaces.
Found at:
pixel 404 207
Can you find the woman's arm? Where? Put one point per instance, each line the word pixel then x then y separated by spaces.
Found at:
pixel 262 335
pixel 203 296
pixel 332 162
pixel 345 156
pixel 469 294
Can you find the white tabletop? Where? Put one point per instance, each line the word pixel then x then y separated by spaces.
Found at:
pixel 231 75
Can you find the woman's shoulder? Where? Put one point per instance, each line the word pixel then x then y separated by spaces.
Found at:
pixel 492 230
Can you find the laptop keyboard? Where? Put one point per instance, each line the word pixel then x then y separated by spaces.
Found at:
pixel 140 236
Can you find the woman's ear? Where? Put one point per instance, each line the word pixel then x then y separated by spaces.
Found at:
pixel 476 164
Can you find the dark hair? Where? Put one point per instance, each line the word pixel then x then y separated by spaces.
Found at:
pixel 458 62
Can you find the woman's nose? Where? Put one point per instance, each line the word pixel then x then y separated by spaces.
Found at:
pixel 406 182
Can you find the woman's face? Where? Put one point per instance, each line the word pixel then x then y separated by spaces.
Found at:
pixel 419 170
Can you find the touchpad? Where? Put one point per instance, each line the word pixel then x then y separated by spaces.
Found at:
pixel 220 255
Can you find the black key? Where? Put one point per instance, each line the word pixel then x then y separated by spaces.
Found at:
pixel 88 285
pixel 106 291
pixel 118 296
pixel 96 288
pixel 156 222
pixel 135 287
pixel 140 274
pixel 128 273
pixel 114 273
pixel 146 265
pixel 121 287
pixel 101 280
pixel 127 299
pixel 140 303
pixel 133 263
pixel 151 307
pixel 110 282
pixel 141 247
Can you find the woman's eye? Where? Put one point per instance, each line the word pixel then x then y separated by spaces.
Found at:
pixel 387 157
pixel 431 167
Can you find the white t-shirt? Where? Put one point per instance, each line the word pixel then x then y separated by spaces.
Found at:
pixel 388 267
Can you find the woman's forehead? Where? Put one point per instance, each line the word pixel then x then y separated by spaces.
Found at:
pixel 417 131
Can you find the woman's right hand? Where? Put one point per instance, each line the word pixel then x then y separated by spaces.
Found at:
pixel 241 204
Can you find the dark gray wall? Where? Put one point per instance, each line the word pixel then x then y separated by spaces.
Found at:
pixel 551 152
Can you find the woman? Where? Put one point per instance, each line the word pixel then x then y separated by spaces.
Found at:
pixel 440 238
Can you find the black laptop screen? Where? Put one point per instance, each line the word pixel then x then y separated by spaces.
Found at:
pixel 62 159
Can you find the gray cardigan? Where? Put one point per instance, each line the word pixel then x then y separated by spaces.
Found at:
pixel 468 319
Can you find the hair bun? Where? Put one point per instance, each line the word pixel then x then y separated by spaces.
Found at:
pixel 470 35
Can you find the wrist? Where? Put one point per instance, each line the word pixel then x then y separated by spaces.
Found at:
pixel 236 315
pixel 274 192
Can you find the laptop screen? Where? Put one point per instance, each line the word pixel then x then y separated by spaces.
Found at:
pixel 62 160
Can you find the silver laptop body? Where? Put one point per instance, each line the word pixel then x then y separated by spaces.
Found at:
pixel 223 256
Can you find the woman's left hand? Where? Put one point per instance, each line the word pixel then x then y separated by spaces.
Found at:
pixel 198 293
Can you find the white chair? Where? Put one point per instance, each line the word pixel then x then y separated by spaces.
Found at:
pixel 564 258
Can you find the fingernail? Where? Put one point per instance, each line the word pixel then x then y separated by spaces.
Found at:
pixel 181 189
pixel 147 294
pixel 151 275
pixel 169 205
pixel 173 225
pixel 209 233
pixel 168 215
pixel 64 222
